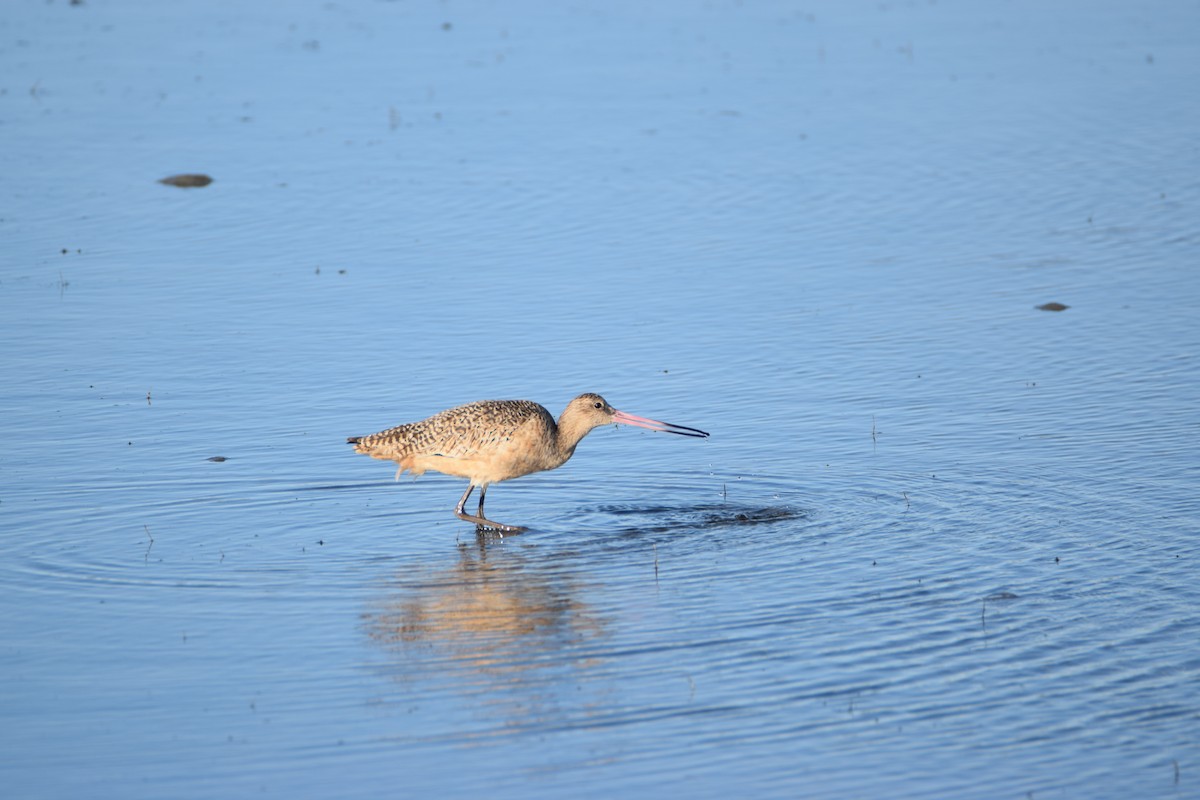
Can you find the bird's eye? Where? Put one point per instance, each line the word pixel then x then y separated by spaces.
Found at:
pixel 597 404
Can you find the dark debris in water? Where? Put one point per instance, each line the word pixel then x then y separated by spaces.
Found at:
pixel 662 519
pixel 216 458
pixel 755 516
pixel 1052 307
pixel 187 180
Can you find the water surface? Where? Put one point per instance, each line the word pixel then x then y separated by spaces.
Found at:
pixel 941 542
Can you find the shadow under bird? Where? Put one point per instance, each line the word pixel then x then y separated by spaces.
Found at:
pixel 498 440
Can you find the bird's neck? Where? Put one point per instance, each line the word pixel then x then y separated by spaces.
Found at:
pixel 570 431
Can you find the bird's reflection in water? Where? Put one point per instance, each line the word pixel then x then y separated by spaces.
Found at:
pixel 507 631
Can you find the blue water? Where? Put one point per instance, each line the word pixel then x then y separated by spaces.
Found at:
pixel 940 544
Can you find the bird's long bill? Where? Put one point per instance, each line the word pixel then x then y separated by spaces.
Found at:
pixel 621 418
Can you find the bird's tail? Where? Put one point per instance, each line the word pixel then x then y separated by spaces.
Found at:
pixel 389 445
pixel 367 445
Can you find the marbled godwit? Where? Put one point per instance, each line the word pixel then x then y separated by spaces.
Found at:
pixel 497 440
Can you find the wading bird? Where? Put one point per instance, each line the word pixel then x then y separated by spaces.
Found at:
pixel 498 440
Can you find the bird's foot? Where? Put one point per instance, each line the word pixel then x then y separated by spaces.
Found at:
pixel 498 528
pixel 485 525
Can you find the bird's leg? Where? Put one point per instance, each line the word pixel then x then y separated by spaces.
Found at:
pixel 481 522
pixel 462 501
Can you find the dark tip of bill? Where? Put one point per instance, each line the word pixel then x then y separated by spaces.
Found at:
pixel 684 430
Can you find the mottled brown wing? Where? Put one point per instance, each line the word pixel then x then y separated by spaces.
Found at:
pixel 461 432
pixel 470 430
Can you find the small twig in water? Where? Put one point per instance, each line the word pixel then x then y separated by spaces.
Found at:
pixel 655 562
pixel 873 439
pixel 147 529
pixel 907 505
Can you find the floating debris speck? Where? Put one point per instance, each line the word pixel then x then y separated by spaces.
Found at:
pixel 188 180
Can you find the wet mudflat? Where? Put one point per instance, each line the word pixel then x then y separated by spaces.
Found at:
pixel 940 543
